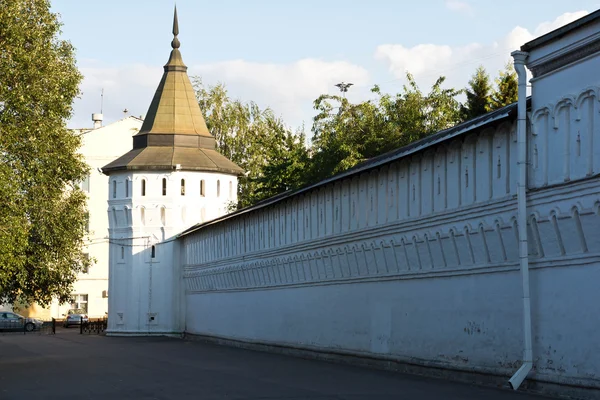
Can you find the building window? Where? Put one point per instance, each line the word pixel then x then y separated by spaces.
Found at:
pixel 85 184
pixel 153 252
pixel 87 222
pixel 162 215
pixel 202 186
pixel 230 189
pixel 86 268
pixel 122 252
pixel 218 188
pixel 143 215
pixel 499 168
pixel 80 302
pixel 126 187
pixel 183 187
pixel 164 186
pixel 114 189
pixel 143 187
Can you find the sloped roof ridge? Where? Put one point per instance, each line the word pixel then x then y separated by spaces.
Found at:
pixel 391 156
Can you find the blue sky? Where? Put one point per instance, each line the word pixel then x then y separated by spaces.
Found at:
pixel 284 54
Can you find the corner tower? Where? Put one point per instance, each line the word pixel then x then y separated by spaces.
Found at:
pixel 171 179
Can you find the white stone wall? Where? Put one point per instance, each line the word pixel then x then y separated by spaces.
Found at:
pixel 438 288
pixel 146 293
pixel 464 173
pixel 565 138
pixel 418 260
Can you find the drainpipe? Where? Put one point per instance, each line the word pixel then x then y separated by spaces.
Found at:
pixel 520 57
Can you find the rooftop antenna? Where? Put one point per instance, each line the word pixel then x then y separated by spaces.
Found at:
pixel 344 87
pixel 98 117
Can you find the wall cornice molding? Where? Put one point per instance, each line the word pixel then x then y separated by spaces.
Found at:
pixel 430 223
pixel 565 56
pixel 556 262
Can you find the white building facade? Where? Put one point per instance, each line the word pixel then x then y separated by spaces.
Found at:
pixel 100 145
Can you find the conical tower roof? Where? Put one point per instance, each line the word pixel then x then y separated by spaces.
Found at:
pixel 174 133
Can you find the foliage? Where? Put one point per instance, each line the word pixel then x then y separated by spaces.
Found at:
pixel 507 88
pixel 42 213
pixel 255 139
pixel 287 162
pixel 346 134
pixel 479 95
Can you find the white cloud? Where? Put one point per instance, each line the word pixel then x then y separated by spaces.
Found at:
pixel 561 20
pixel 129 86
pixel 428 61
pixel 460 6
pixel 288 89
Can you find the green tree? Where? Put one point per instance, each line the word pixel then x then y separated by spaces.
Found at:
pixel 286 165
pixel 507 88
pixel 346 134
pixel 479 92
pixel 276 158
pixel 42 213
pixel 256 140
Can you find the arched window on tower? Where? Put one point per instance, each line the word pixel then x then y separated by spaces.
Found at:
pixel 143 215
pixel 143 187
pixel 126 187
pixel 163 213
pixel 183 187
pixel 164 186
pixel 218 188
pixel 202 188
pixel 114 189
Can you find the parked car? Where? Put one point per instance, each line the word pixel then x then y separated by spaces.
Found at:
pixel 10 321
pixel 75 317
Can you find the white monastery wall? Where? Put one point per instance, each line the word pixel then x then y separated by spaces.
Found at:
pixel 411 257
pixel 418 260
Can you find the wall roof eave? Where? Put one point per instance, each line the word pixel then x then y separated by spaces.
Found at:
pixel 464 128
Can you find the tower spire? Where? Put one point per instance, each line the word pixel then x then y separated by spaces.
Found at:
pixel 175 43
pixel 174 133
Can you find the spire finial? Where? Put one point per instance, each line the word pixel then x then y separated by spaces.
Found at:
pixel 175 43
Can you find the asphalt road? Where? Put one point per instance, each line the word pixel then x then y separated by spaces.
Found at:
pixel 73 366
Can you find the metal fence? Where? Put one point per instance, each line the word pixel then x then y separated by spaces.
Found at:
pixel 26 327
pixel 93 327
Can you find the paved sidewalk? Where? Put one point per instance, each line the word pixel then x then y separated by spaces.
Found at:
pixel 72 366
